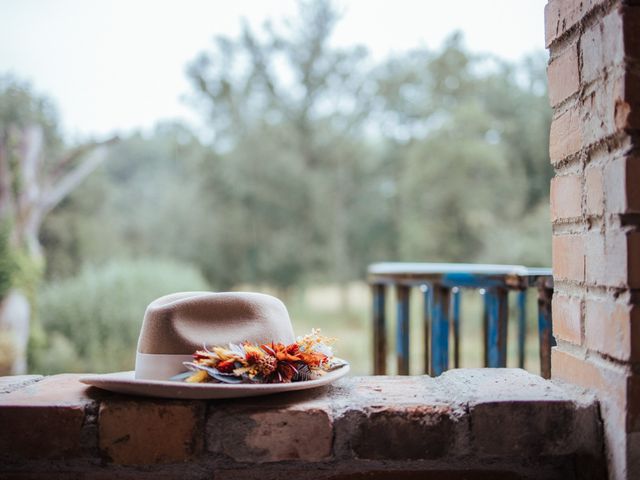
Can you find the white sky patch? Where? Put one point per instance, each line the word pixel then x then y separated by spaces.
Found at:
pixel 117 65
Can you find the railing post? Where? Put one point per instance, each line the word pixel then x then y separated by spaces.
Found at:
pixel 545 294
pixel 426 319
pixel 485 327
pixel 522 325
pixel 379 330
pixel 402 335
pixel 455 305
pixel 497 316
pixel 440 300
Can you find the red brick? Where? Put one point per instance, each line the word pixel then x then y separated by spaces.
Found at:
pixel 603 111
pixel 568 257
pixel 619 265
pixel 566 197
pixel 565 136
pixel 622 177
pixel 421 432
pixel 594 191
pixel 134 432
pixel 532 427
pixel 595 260
pixel 567 318
pixel 563 76
pixel 608 381
pixel 609 326
pixel 29 416
pixel 601 46
pixel 616 387
pixel 57 390
pixel 622 259
pixel 562 15
pixel 16 382
pixel 276 435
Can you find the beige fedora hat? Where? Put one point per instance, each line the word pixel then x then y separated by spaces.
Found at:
pixel 176 326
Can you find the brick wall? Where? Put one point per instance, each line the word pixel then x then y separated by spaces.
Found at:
pixel 594 89
pixel 493 424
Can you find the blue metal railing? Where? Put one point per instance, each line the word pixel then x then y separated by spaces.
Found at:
pixel 441 285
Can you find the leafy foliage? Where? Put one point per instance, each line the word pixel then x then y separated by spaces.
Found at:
pixel 322 161
pixel 93 319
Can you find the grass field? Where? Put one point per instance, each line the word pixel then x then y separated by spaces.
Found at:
pixel 319 307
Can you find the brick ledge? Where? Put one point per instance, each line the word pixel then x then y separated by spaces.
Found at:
pixel 467 423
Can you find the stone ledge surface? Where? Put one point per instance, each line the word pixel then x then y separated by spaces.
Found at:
pixel 467 423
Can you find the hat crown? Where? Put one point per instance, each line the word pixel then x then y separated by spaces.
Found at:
pixel 180 323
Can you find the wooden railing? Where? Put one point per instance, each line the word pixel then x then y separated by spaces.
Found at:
pixel 441 285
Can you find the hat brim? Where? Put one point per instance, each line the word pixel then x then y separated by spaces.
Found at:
pixel 125 382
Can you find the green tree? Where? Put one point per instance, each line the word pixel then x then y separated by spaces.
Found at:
pixel 287 110
pixel 36 174
pixel 466 136
pixel 147 199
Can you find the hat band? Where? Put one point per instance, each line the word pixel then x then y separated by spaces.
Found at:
pixel 159 366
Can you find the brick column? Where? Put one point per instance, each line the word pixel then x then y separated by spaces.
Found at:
pixel 594 89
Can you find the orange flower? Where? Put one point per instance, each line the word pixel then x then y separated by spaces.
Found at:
pixel 282 352
pixel 313 359
pixel 226 366
pixel 253 357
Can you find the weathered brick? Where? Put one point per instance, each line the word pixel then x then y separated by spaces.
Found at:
pixel 595 260
pixel 134 432
pixel 611 258
pixel 622 176
pixel 594 191
pixel 600 123
pixel 44 419
pixel 568 257
pixel 532 427
pixel 562 15
pixel 609 326
pixel 567 318
pixel 275 435
pixel 622 259
pixel 603 111
pixel 565 136
pixel 564 79
pixel 601 46
pixel 494 395
pixel 611 383
pixel 615 386
pixel 566 197
pixel 16 382
pixel 420 432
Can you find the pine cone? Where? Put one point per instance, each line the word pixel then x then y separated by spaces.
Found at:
pixel 266 365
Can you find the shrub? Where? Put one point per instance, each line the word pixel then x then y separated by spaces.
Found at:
pixel 91 321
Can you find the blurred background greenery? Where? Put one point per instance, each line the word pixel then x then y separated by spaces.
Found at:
pixel 317 161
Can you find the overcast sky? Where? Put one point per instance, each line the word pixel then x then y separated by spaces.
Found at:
pixel 116 65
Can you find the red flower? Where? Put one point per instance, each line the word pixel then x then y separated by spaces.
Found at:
pixel 226 366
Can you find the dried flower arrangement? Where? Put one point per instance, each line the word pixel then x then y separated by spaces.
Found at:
pixel 308 358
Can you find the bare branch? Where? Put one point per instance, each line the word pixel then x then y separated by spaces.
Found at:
pixel 31 142
pixel 69 182
pixel 70 157
pixel 5 180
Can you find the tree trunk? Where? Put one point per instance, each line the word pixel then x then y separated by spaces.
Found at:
pixel 27 194
pixel 15 312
